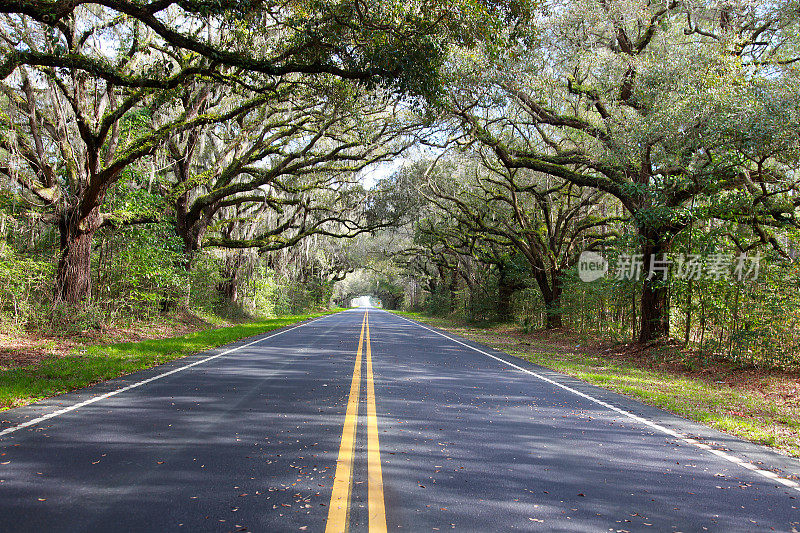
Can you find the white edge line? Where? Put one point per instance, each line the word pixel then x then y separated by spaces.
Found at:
pixel 96 399
pixel 772 476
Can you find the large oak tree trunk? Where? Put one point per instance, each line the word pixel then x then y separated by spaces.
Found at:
pixel 654 316
pixel 553 319
pixel 654 322
pixel 191 230
pixel 551 290
pixel 74 273
pixel 506 288
pixel 505 292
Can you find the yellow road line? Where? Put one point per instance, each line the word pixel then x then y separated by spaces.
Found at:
pixel 377 510
pixel 339 509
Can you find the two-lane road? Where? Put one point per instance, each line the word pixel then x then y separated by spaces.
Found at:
pixel 365 420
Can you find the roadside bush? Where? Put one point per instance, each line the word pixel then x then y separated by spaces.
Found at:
pixel 262 294
pixel 62 320
pixel 439 303
pixel 140 269
pixel 203 281
pixel 25 287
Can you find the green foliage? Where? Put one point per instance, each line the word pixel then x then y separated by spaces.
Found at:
pixel 67 320
pixel 745 323
pixel 439 302
pixel 530 310
pixel 25 285
pixel 481 305
pixel 264 296
pixel 298 297
pixel 761 318
pixel 205 275
pixel 144 270
pixel 130 203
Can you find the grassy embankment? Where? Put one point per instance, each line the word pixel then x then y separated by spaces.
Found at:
pixel 757 405
pixel 94 363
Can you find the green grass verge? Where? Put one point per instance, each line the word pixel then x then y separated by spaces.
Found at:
pixel 734 410
pixel 747 412
pixel 20 386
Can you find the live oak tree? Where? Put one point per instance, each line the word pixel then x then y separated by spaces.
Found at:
pixel 434 250
pixel 390 41
pixel 679 110
pixel 436 264
pixel 82 79
pixel 368 265
pixel 513 275
pixel 68 137
pixel 285 170
pixel 449 256
pixel 548 220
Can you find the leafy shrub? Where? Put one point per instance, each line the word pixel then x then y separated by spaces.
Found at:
pixel 203 281
pixel 263 296
pixel 65 319
pixel 25 286
pixel 145 270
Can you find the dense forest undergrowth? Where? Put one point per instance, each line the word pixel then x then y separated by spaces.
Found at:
pixel 143 292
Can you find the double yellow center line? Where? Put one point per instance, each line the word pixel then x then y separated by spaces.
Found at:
pixel 339 510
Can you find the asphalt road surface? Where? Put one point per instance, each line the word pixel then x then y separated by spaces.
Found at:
pixel 369 422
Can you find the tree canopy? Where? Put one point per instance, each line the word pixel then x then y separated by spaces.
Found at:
pixel 234 142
